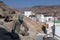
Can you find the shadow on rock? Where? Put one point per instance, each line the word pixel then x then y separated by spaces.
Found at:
pixel 5 35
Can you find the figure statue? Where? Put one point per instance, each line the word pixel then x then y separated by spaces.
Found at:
pixel 18 24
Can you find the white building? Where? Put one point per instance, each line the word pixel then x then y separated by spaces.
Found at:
pixel 33 17
pixel 50 18
pixel 28 13
pixel 40 17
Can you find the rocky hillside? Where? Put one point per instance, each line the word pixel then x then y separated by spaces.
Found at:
pixel 4 7
pixel 6 10
pixel 34 27
pixel 46 10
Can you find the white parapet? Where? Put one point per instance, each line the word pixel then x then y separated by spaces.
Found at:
pixel 57 30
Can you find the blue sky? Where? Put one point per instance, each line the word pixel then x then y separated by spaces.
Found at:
pixel 30 3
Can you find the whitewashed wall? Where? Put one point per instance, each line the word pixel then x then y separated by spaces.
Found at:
pixel 40 17
pixel 51 18
pixel 57 30
pixel 27 13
